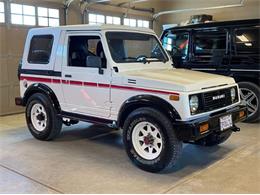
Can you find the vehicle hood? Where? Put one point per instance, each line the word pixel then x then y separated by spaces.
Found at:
pixel 177 79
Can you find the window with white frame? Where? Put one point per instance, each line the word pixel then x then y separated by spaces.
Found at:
pixel 143 23
pixel 23 14
pixel 48 16
pixel 2 12
pixel 96 19
pixel 130 22
pixel 113 20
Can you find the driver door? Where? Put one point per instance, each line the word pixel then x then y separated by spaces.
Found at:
pixel 86 90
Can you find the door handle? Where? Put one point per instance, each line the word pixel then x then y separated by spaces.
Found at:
pixel 68 75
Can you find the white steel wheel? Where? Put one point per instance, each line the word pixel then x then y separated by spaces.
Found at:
pixel 249 99
pixel 38 117
pixel 147 140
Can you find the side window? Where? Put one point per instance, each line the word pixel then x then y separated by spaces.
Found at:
pixel 80 47
pixel 40 49
pixel 177 43
pixel 247 40
pixel 210 43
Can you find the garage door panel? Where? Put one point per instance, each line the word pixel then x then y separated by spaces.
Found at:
pixel 3 71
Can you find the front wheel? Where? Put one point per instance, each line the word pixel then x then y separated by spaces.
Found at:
pixel 150 140
pixel 41 117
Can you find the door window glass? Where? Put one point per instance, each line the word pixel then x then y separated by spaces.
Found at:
pixel 247 40
pixel 177 43
pixel 80 47
pixel 209 43
pixel 40 49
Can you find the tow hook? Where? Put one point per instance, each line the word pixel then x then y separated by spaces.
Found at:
pixel 236 129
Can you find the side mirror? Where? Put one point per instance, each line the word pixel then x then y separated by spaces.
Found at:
pixel 95 62
pixel 176 57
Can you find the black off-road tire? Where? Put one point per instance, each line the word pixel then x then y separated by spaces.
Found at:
pixel 54 122
pixel 256 90
pixel 214 139
pixel 171 146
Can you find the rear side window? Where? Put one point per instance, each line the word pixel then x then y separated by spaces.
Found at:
pixel 247 40
pixel 210 42
pixel 40 49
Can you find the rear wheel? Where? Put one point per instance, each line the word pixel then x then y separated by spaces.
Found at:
pixel 41 117
pixel 150 140
pixel 250 96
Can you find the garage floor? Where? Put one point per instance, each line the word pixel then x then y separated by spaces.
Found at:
pixel 91 159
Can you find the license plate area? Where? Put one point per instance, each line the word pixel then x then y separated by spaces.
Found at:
pixel 225 122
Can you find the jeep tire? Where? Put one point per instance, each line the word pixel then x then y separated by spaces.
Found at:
pixel 250 96
pixel 41 117
pixel 150 140
pixel 214 139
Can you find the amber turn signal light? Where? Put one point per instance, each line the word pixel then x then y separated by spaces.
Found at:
pixel 174 97
pixel 241 114
pixel 204 127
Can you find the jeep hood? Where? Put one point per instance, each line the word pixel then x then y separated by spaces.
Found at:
pixel 177 79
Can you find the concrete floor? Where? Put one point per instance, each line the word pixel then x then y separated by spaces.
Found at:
pixel 91 159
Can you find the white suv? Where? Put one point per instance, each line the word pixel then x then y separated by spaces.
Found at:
pixel 122 77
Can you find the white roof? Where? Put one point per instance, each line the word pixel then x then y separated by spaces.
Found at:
pixel 98 27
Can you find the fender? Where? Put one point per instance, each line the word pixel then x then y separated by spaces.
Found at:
pixel 41 88
pixel 146 100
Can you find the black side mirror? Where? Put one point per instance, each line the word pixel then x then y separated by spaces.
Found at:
pixel 176 57
pixel 95 62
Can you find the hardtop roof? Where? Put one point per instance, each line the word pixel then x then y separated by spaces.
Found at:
pixel 98 27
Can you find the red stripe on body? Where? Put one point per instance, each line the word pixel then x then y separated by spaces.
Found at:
pixel 56 81
pixel 76 82
pixel 90 84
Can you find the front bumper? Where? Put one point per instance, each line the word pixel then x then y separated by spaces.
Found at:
pixel 190 130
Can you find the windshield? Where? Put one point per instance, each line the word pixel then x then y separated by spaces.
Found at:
pixel 128 47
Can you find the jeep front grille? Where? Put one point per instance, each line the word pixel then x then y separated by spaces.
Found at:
pixel 216 99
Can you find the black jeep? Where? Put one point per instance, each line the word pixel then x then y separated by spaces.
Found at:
pixel 229 48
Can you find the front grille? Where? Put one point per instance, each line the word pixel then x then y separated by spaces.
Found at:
pixel 216 99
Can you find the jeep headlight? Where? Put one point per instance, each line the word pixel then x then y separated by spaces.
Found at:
pixel 233 94
pixel 194 104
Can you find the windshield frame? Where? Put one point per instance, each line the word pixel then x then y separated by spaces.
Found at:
pixel 149 61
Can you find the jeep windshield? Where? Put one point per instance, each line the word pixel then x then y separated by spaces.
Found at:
pixel 127 47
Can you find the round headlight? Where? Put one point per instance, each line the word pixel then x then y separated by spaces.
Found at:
pixel 194 103
pixel 233 94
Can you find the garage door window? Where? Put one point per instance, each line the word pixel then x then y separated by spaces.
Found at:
pixel 113 20
pixel 40 49
pixel 23 14
pixel 130 22
pixel 48 17
pixel 2 12
pixel 96 19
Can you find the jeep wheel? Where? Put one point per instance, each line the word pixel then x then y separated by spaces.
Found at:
pixel 214 139
pixel 150 140
pixel 41 118
pixel 250 96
